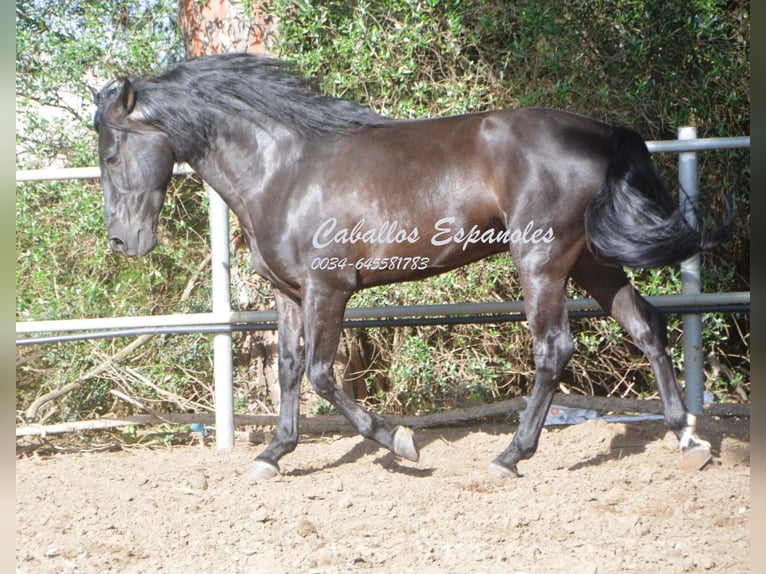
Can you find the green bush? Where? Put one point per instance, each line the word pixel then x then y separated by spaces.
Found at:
pixel 653 65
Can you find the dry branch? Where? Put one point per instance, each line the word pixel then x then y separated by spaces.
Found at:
pixel 328 423
pixel 31 413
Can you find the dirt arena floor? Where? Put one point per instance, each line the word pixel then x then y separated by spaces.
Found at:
pixel 597 498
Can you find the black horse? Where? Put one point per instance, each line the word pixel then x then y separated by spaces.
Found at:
pixel 334 198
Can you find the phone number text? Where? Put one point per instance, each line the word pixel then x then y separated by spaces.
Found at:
pixel 371 263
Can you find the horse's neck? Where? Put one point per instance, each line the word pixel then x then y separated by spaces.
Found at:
pixel 245 168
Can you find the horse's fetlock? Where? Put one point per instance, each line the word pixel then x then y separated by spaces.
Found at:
pixel 527 452
pixel 681 422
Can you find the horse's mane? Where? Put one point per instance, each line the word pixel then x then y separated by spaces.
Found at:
pixel 187 101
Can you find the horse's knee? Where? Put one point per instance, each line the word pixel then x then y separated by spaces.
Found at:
pixel 291 367
pixel 322 381
pixel 553 352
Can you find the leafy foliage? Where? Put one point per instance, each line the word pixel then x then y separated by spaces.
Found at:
pixel 653 65
pixel 62 48
pixel 63 266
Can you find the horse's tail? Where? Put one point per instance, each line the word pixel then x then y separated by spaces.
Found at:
pixel 633 220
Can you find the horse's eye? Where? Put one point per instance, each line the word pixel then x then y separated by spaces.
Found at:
pixel 113 160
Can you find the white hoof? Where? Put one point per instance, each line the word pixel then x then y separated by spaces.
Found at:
pixel 501 471
pixel 696 452
pixel 404 444
pixel 696 457
pixel 261 470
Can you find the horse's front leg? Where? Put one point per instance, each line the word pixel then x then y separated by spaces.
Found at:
pixel 291 365
pixel 323 316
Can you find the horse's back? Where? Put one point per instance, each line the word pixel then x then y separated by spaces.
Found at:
pixel 452 190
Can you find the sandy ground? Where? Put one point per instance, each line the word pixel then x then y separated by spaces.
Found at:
pixel 597 498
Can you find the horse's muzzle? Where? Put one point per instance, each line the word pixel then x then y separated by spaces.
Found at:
pixel 140 244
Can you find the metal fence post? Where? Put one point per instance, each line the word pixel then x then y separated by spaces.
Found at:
pixel 691 282
pixel 222 348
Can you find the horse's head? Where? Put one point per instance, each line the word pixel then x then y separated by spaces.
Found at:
pixel 136 165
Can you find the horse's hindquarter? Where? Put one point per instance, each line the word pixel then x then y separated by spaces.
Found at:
pixel 416 198
pixel 551 164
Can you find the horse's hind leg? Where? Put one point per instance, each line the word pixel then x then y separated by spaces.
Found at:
pixel 549 325
pixel 290 367
pixel 647 327
pixel 323 316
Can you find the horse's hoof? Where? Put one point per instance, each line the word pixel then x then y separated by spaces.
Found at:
pixel 697 456
pixel 500 470
pixel 404 444
pixel 261 470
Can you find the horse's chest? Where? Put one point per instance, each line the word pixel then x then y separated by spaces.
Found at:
pixel 273 267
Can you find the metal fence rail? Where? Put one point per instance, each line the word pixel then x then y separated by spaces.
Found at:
pixel 222 321
pixel 389 316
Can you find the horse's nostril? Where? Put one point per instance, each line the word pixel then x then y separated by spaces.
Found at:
pixel 117 244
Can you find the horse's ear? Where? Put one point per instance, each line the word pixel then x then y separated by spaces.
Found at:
pixel 128 97
pixel 93 91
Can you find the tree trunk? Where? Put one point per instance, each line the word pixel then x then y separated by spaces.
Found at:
pixel 220 26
